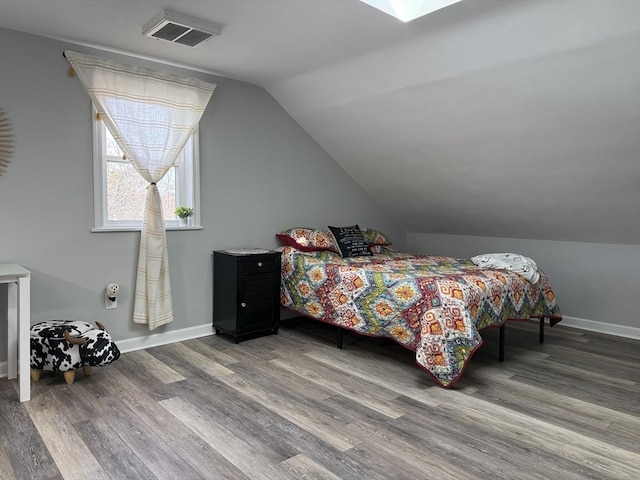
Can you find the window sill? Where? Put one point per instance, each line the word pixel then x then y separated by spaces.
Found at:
pixel 137 229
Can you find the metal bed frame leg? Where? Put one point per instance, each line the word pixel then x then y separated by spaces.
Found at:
pixel 339 338
pixel 542 330
pixel 501 351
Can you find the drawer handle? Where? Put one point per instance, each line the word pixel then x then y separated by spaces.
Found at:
pixel 243 305
pixel 259 264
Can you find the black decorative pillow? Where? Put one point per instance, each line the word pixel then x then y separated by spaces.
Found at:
pixel 350 241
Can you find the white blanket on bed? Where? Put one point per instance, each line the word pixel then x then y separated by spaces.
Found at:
pixel 513 262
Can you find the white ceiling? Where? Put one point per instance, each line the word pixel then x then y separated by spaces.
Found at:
pixel 496 118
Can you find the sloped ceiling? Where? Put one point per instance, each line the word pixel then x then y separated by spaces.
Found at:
pixel 494 118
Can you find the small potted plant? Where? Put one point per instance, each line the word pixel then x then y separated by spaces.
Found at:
pixel 183 214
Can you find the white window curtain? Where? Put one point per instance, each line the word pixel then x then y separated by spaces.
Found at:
pixel 151 115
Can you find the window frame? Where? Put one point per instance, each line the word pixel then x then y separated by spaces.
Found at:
pixel 187 184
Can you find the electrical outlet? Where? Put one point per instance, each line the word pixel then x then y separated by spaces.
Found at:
pixel 111 296
pixel 110 304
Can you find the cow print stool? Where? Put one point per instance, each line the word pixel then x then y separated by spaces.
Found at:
pixel 63 346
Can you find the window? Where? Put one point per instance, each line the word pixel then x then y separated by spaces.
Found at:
pixel 407 10
pixel 120 191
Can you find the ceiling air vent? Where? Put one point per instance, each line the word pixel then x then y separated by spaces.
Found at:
pixel 178 28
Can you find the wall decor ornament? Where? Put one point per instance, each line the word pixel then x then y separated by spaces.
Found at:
pixel 6 141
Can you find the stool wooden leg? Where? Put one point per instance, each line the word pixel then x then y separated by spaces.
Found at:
pixel 87 370
pixel 69 377
pixel 35 374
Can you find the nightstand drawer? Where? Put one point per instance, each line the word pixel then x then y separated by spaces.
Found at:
pixel 258 265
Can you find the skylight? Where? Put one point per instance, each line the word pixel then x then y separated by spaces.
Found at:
pixel 407 10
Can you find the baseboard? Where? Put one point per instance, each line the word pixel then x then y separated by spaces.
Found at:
pixel 149 341
pixel 601 327
pixel 157 339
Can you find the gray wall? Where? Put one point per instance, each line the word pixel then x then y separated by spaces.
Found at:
pixel 593 282
pixel 260 173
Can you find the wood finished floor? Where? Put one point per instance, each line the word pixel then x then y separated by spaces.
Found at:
pixel 292 406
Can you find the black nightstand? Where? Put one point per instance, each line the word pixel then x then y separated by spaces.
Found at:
pixel 246 293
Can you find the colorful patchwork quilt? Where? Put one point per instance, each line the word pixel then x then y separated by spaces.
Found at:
pixel 432 305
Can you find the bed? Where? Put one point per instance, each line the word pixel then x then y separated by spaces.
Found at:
pixel 434 306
